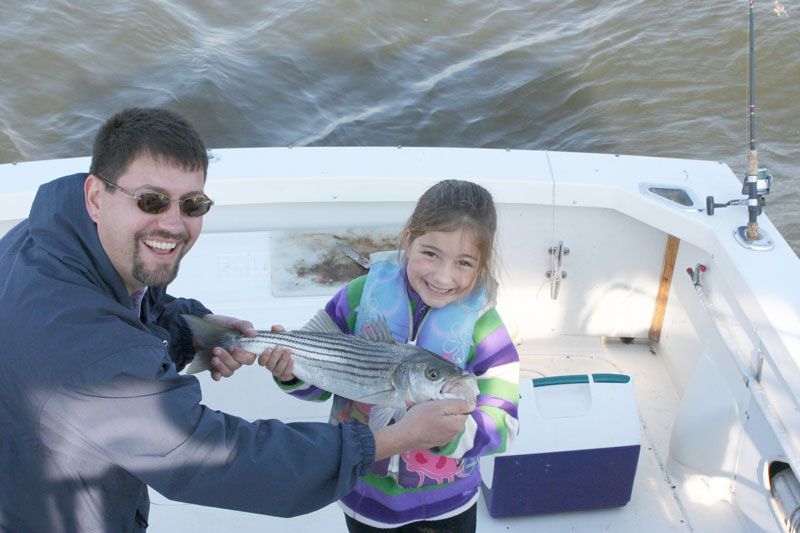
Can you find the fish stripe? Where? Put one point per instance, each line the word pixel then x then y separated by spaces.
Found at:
pixel 356 362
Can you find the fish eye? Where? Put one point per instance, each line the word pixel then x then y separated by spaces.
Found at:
pixel 432 374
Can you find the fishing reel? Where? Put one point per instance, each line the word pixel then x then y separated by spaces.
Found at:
pixel 763 181
pixel 755 186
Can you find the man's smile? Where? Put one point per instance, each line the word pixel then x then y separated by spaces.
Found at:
pixel 160 246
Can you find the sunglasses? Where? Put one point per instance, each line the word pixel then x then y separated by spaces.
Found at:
pixel 154 203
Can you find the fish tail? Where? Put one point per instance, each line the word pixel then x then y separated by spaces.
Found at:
pixel 206 336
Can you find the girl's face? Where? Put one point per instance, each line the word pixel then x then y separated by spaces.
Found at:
pixel 442 265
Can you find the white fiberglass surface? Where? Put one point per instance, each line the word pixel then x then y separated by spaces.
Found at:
pixel 234 277
pixel 252 394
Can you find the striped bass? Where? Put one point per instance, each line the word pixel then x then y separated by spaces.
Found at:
pixel 370 368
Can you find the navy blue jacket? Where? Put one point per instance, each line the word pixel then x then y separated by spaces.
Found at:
pixel 93 409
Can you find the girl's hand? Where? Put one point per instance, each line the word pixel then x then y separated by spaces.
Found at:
pixel 278 361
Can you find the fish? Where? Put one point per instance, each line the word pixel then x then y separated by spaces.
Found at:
pixel 370 368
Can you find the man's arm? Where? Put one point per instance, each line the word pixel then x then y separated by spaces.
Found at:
pixel 132 412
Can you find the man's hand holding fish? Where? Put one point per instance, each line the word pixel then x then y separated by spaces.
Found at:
pixel 426 425
pixel 224 363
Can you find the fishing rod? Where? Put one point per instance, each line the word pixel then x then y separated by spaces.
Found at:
pixel 758 181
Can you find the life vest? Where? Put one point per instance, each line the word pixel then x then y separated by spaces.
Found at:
pixel 446 331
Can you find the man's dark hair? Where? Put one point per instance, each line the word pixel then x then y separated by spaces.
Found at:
pixel 161 134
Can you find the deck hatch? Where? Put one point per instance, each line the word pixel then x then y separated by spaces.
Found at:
pixel 676 196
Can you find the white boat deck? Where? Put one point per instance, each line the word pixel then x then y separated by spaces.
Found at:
pixel 717 397
pixel 655 501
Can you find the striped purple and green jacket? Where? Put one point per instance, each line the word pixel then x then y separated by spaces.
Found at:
pixel 442 482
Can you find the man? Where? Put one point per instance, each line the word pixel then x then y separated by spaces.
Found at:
pixel 92 407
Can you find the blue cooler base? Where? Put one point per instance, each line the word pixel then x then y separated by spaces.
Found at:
pixel 575 480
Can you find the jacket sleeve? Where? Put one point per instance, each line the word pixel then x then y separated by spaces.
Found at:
pixel 167 316
pixel 147 420
pixel 494 424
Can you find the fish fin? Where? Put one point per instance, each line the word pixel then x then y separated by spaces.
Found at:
pixel 399 414
pixel 380 416
pixel 206 335
pixel 200 362
pixel 384 397
pixel 321 322
pixel 377 330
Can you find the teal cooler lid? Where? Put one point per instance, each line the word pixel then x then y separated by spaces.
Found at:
pixel 581 378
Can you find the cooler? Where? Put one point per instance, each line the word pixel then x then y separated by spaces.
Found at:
pixel 577 449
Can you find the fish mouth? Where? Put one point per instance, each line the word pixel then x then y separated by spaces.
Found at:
pixel 463 387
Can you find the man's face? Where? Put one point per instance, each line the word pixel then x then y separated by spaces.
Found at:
pixel 145 249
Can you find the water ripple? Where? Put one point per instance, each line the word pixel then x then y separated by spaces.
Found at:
pixel 627 76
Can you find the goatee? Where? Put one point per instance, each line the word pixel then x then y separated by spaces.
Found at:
pixel 163 274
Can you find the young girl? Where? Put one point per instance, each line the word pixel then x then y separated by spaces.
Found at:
pixel 441 297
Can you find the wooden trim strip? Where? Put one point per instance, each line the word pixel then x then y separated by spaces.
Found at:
pixel 663 288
